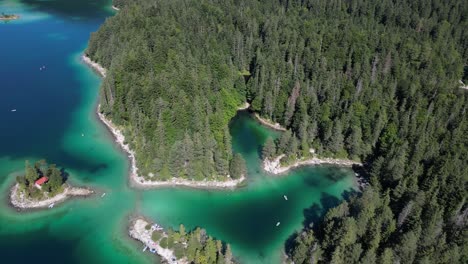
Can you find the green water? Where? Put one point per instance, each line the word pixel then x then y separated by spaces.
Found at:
pixel 56 106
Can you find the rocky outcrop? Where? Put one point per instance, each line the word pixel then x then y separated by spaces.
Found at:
pixel 274 166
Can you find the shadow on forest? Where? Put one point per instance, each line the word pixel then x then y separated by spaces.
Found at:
pixel 315 213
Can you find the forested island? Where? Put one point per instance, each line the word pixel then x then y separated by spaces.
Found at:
pixel 43 185
pixel 180 246
pixel 375 82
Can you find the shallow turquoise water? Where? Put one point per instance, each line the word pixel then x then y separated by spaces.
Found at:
pixel 55 106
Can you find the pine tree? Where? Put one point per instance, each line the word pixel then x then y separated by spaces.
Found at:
pixel 269 149
pixel 237 168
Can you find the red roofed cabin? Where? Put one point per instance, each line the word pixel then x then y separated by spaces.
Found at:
pixel 41 181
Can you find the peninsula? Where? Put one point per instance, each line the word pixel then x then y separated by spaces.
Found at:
pixel 43 185
pixel 234 178
pixel 179 246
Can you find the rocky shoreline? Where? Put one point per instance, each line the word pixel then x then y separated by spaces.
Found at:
pixel 19 201
pixel 138 230
pixel 94 65
pixel 268 123
pixel 462 85
pixel 245 106
pixel 140 182
pixel 274 166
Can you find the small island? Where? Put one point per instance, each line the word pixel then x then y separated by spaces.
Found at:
pixel 180 246
pixel 7 17
pixel 43 185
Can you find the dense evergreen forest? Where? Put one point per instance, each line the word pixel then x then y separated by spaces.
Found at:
pixel 375 81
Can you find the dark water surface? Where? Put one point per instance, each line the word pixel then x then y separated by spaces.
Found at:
pixel 55 107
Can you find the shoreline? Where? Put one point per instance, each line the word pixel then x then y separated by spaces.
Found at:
pixel 245 106
pixel 18 201
pixel 139 182
pixel 268 123
pixel 462 85
pixel 137 230
pixel 94 65
pixel 274 166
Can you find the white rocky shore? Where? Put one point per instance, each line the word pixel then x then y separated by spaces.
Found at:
pixel 229 184
pixel 268 123
pixel 96 66
pixel 139 232
pixel 274 166
pixel 462 85
pixel 19 199
pixel 246 105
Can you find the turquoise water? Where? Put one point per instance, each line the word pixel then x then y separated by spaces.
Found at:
pixel 55 106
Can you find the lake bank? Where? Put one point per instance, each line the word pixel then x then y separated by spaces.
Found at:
pixel 274 166
pixel 94 65
pixel 19 201
pixel 269 123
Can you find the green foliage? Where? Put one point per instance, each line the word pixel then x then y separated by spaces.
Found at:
pixel 200 248
pixel 53 186
pixel 156 235
pixel 237 167
pixel 269 149
pixel 370 80
pixel 172 85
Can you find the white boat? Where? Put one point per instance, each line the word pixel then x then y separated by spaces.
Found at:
pixel 104 194
pixel 285 197
pixel 277 224
pixel 82 134
pixel 13 110
pixel 51 205
pixel 146 247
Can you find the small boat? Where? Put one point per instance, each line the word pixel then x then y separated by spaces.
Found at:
pixel 13 110
pixel 146 247
pixel 51 205
pixel 104 194
pixel 285 197
pixel 152 250
pixel 82 134
pixel 277 224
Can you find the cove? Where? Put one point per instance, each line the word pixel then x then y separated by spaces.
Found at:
pixel 56 106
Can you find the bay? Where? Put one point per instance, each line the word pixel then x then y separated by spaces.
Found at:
pixel 55 119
